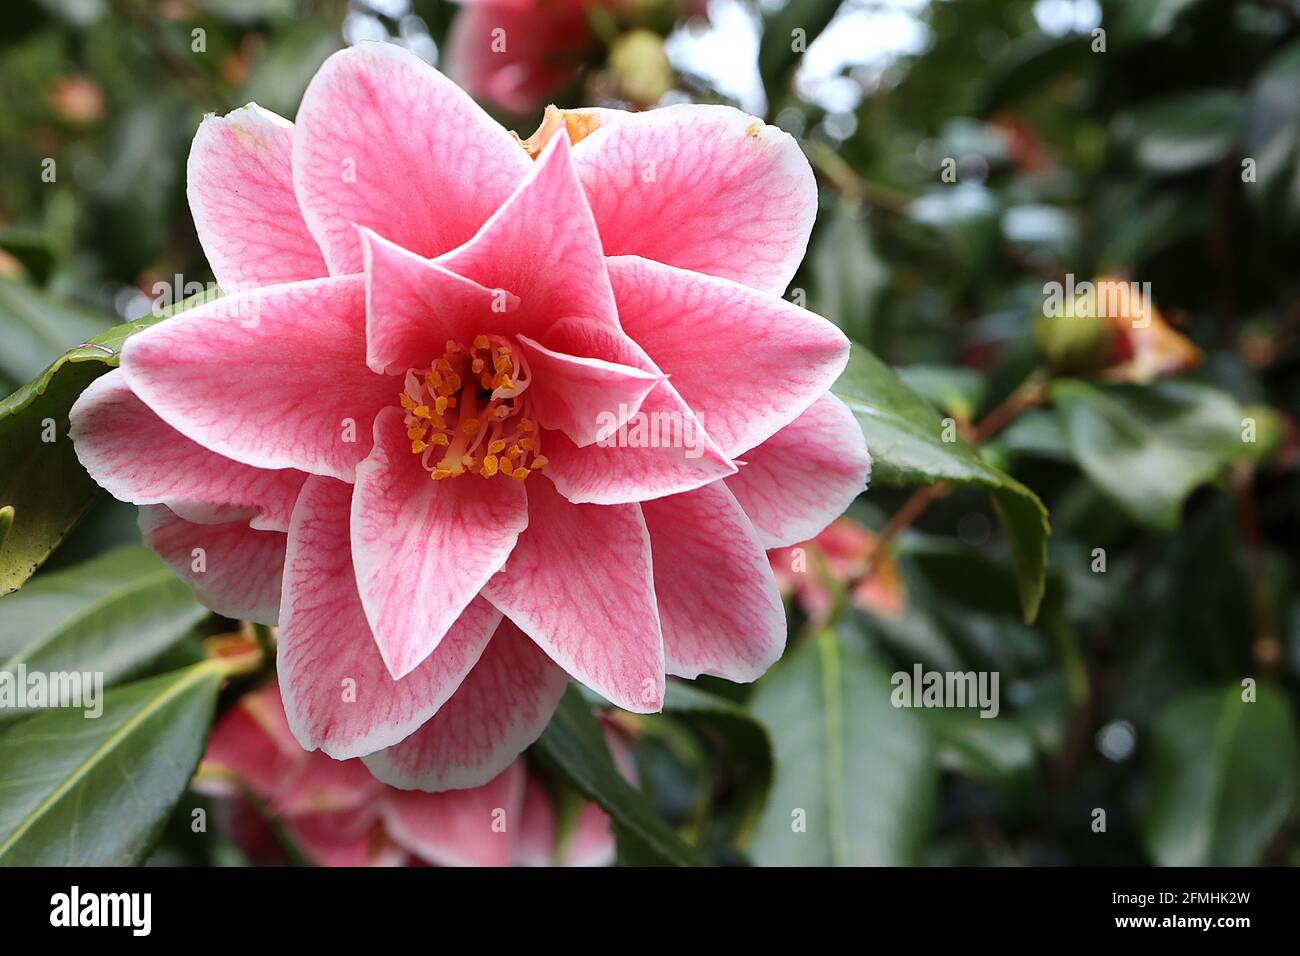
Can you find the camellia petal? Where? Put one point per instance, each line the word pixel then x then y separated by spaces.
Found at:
pixel 459 827
pixel 139 458
pixel 718 600
pixel 423 549
pixel 240 186
pixel 501 707
pixel 803 477
pixel 310 401
pixel 232 568
pixel 746 363
pixel 707 188
pixel 386 141
pixel 338 695
pixel 596 559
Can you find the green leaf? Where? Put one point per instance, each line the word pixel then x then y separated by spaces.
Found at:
pixel 573 746
pixel 905 437
pixel 40 476
pixel 1147 448
pixel 848 276
pixel 1224 777
pixel 1184 132
pixel 746 741
pixel 97 792
pixel 112 614
pixel 856 772
pixel 37 328
pixel 781 48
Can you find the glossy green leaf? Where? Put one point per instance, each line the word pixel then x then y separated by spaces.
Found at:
pixel 856 781
pixel 36 328
pixel 112 614
pixel 1185 132
pixel 40 476
pixel 573 746
pixel 1224 777
pixel 96 792
pixel 1149 447
pixel 743 739
pixel 906 439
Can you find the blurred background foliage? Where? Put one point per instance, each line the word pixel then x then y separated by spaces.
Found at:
pixel 969 152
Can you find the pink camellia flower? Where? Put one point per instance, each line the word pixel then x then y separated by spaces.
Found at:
pixel 843 553
pixel 516 54
pixel 337 814
pixel 478 423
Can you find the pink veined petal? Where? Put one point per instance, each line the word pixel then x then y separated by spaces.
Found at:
pixel 240 187
pixel 662 449
pixel 803 477
pixel 500 708
pixel 718 599
pixel 707 188
pixel 232 568
pixel 747 363
pixel 414 307
pixel 459 827
pixel 338 695
pixel 243 751
pixel 586 398
pixel 139 458
pixel 386 141
pixel 423 549
pixel 306 398
pixel 579 583
pixel 543 246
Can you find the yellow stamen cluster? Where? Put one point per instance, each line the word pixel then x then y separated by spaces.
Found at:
pixel 465 414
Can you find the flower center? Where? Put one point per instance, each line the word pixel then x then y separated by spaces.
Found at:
pixel 466 412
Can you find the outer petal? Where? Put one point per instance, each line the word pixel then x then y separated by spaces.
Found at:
pixel 139 458
pixel 240 187
pixel 803 477
pixel 579 583
pixel 707 188
pixel 423 549
pixel 502 707
pixel 542 245
pixel 414 306
pixel 746 363
pixel 338 695
pixel 586 398
pixel 308 400
pixel 460 827
pixel 232 568
pixel 386 141
pixel 718 599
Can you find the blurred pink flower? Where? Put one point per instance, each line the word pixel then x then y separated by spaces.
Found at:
pixel 516 54
pixel 841 553
pixel 341 443
pixel 337 814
